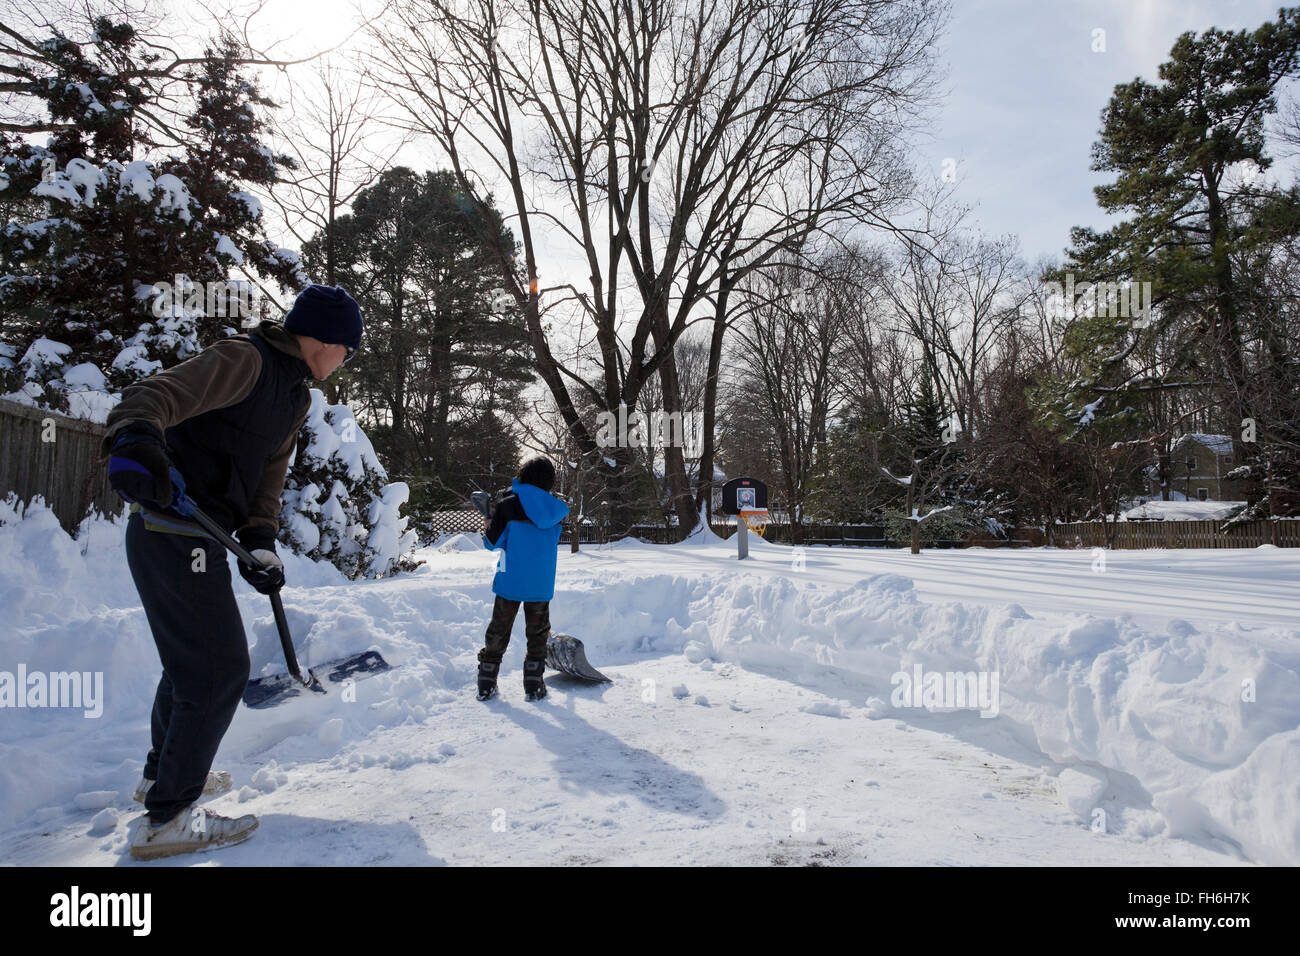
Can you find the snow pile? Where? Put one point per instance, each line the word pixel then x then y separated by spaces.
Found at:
pixel 251 203
pixel 226 247
pixel 136 180
pixel 43 357
pixel 1205 719
pixel 1167 726
pixel 703 532
pixel 175 197
pixel 44 367
pixel 458 541
pixel 78 185
pixel 88 394
pixel 72 606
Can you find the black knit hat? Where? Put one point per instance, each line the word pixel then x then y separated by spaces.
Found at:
pixel 538 472
pixel 327 313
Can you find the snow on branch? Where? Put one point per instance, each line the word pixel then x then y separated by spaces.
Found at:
pixel 931 513
pixel 892 477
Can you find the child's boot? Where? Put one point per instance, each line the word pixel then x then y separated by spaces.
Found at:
pixel 487 679
pixel 534 686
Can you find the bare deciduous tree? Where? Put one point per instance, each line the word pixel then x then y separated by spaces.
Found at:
pixel 671 148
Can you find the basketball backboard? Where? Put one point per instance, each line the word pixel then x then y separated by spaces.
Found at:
pixel 743 494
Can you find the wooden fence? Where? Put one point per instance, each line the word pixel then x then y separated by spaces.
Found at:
pixel 47 454
pixel 1129 535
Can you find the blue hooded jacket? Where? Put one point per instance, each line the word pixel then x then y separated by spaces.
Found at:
pixel 528 573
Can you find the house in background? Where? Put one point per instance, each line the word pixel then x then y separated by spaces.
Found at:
pixel 1198 464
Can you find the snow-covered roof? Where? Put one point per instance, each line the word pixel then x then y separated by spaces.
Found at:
pixel 1183 511
pixel 1219 444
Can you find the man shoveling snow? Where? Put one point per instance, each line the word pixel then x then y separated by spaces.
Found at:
pixel 227 420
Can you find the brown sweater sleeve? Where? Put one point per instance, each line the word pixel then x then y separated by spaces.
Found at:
pixel 265 508
pixel 222 374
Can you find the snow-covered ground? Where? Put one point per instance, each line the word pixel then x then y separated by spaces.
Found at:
pixel 1145 713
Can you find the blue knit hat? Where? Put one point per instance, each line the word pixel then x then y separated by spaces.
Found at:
pixel 327 313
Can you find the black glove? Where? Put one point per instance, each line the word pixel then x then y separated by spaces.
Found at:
pixel 138 469
pixel 268 576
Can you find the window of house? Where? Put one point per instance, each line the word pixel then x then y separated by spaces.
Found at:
pixel 1202 494
pixel 1191 464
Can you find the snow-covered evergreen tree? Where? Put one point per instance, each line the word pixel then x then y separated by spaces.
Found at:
pixel 99 234
pixel 338 503
pixel 108 262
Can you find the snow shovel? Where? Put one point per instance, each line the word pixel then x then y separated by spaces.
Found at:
pixel 263 692
pixel 483 502
pixel 564 653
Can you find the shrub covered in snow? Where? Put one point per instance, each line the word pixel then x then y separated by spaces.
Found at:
pixel 951 525
pixel 338 503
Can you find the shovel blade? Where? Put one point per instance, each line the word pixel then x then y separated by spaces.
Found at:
pixel 564 653
pixel 263 692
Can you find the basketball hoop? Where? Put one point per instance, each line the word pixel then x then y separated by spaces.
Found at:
pixel 747 499
pixel 755 521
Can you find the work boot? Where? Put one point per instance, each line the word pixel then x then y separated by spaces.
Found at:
pixel 219 781
pixel 534 686
pixel 487 679
pixel 192 830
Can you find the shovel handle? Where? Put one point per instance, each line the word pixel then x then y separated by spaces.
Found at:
pixel 186 506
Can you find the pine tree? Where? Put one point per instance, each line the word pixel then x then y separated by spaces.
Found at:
pixel 847 484
pixel 225 162
pixel 925 418
pixel 445 353
pixel 1190 229
pixel 82 278
pixel 338 504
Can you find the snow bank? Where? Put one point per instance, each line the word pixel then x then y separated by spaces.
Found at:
pixel 1184 727
pixel 458 541
pixel 1205 716
pixel 72 606
pixel 1206 719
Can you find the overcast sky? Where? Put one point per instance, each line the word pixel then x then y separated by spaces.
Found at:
pixel 1023 95
pixel 1026 93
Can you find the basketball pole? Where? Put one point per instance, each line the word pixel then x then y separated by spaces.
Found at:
pixel 742 538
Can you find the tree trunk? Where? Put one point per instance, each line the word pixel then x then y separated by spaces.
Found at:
pixel 575 513
pixel 704 496
pixel 679 487
pixel 913 505
pixel 617 484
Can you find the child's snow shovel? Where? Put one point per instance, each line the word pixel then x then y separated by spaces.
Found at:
pixel 564 652
pixel 277 688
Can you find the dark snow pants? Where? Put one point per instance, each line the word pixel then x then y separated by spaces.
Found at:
pixel 537 628
pixel 204 653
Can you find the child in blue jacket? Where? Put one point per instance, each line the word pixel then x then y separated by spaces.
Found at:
pixel 526 526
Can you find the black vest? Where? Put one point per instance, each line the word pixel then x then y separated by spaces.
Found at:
pixel 222 454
